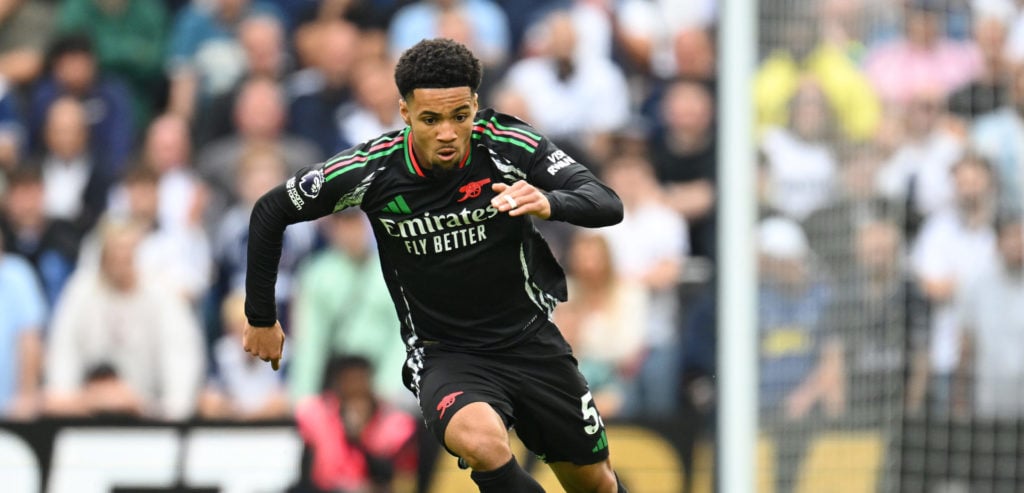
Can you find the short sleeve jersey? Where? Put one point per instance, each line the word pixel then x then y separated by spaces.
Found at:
pixel 459 272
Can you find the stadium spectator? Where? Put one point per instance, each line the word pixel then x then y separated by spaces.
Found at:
pixel 880 318
pixel 923 58
pixel 917 173
pixel 260 168
pixel 178 254
pixel 24 315
pixel 832 229
pixel 369 15
pixel 166 151
pixel 25 29
pixel 695 57
pixel 324 87
pixel 999 136
pixel 240 387
pixel 685 160
pixel 858 23
pixel 355 441
pixel 204 57
pixel 801 167
pixel 263 42
pixel 106 395
pixel 455 24
pixel 571 97
pixel 807 55
pixel 75 179
pixel 420 20
pixel 988 91
pixel 992 321
pixel 604 320
pixel 118 316
pixel 372 111
pixel 649 247
pixel 73 72
pixel 50 245
pixel 342 306
pixel 954 246
pixel 649 29
pixel 793 298
pixel 260 113
pixel 129 37
pixel 799 363
pixel 592 23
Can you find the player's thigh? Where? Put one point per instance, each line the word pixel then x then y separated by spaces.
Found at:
pixel 449 384
pixel 555 413
pixel 591 478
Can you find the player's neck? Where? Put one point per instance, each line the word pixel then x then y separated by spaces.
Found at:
pixel 429 167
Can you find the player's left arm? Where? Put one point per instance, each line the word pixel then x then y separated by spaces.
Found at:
pixel 558 188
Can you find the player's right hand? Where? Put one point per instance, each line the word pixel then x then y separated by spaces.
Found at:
pixel 266 343
pixel 521 198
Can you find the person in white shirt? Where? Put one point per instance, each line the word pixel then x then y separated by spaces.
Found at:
pixel 167 151
pixel 119 318
pixel 373 110
pixel 801 165
pixel 179 254
pixel 241 387
pixel 991 316
pixel 919 169
pixel 649 247
pixel 75 183
pixel 571 96
pixel 954 246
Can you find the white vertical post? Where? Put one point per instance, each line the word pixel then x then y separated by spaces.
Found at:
pixel 737 274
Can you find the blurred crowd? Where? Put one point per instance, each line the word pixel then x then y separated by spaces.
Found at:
pixel 136 135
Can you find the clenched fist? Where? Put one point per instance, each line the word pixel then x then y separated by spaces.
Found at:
pixel 266 343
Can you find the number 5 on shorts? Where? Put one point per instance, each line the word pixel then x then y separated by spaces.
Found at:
pixel 590 412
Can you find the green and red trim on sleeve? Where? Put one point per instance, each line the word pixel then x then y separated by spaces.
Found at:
pixel 510 135
pixel 378 149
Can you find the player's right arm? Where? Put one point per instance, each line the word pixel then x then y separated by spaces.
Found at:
pixel 312 193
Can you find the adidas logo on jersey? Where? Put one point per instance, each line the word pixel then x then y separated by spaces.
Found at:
pixel 397 206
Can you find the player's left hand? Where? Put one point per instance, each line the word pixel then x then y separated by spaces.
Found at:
pixel 521 198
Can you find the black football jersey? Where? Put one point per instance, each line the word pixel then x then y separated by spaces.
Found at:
pixel 460 272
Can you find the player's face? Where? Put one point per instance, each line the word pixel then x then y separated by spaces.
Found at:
pixel 441 122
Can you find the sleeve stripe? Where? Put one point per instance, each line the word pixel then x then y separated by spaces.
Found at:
pixel 360 161
pixel 339 161
pixel 513 137
pixel 494 121
pixel 519 143
pixel 511 132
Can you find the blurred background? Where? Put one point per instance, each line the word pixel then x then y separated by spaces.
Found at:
pixel 136 135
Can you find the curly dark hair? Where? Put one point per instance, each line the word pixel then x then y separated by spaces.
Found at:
pixel 437 63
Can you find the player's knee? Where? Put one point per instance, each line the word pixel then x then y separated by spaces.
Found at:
pixel 478 435
pixel 486 453
pixel 604 482
pixel 594 478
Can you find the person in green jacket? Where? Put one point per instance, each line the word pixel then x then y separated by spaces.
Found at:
pixel 343 305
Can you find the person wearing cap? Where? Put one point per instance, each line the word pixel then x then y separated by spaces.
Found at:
pixel 791 302
pixel 800 369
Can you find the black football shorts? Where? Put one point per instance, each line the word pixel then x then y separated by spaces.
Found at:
pixel 540 393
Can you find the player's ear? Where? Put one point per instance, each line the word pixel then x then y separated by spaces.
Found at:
pixel 403 108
